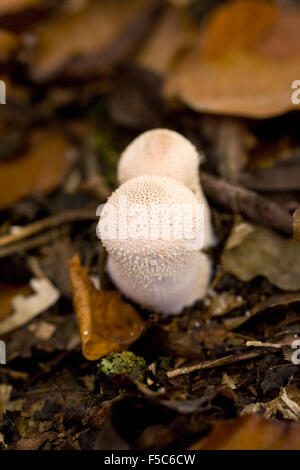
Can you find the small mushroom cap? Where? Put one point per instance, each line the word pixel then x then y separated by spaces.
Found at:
pixel 154 217
pixel 159 272
pixel 163 152
pixel 160 152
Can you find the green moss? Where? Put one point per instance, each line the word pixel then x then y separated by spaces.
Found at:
pixel 124 363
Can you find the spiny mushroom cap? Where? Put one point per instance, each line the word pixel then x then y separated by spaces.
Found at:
pixel 160 152
pixel 146 258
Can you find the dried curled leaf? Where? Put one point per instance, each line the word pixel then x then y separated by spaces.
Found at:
pixel 236 66
pixel 297 225
pixel 96 29
pixel 253 250
pixel 251 433
pixel 106 323
pixel 7 293
pixel 39 170
pixel 25 308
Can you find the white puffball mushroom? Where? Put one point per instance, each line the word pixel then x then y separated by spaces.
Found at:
pixel 161 273
pixel 163 152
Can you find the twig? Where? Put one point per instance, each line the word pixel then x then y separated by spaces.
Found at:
pixel 34 242
pixel 49 222
pixel 222 361
pixel 260 344
pixel 241 200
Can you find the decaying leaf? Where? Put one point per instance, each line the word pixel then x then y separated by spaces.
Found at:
pixel 5 391
pixel 39 170
pixel 297 225
pixel 171 35
pixel 253 250
pixel 7 293
pixel 107 324
pixel 236 67
pixel 88 32
pixel 26 308
pixel 251 433
pixel 283 176
pixel 13 6
pixel 223 303
pixel 8 44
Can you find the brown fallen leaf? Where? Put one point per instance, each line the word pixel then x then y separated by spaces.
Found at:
pixel 234 68
pixel 251 433
pixel 283 176
pixel 171 35
pixel 7 294
pixel 27 307
pixel 39 170
pixel 296 225
pixel 276 301
pixel 253 250
pixel 8 44
pixel 36 442
pixel 106 323
pixel 223 303
pixel 88 32
pixel 285 405
pixel 13 6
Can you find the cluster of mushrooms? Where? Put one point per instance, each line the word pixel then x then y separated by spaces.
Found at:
pixel 165 275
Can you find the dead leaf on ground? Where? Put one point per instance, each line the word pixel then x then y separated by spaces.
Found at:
pixel 39 170
pixel 297 225
pixel 7 294
pixel 8 44
pixel 13 6
pixel 55 264
pixel 251 433
pixel 286 405
pixel 107 324
pixel 271 307
pixel 26 308
pixel 253 250
pixel 283 176
pixel 232 67
pixel 224 302
pixel 87 32
pixel 171 35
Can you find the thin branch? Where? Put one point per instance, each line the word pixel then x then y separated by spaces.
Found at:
pixel 222 361
pixel 32 243
pixel 241 200
pixel 72 215
pixel 260 344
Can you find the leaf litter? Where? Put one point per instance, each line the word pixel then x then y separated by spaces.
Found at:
pixel 221 374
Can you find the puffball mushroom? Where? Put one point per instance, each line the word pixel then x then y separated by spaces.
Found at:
pixel 153 256
pixel 163 152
